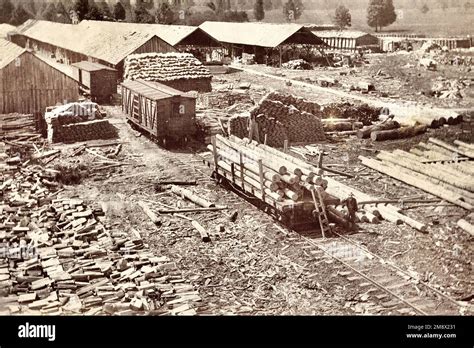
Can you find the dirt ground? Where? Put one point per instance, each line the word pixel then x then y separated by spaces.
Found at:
pixel 396 77
pixel 253 265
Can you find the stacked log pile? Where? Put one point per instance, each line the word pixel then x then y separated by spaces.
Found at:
pixel 298 102
pixel 436 167
pixel 360 113
pixel 267 173
pixel 433 121
pixel 280 121
pixel 59 257
pixel 168 68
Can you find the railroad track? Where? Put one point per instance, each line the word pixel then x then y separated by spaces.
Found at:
pixel 392 289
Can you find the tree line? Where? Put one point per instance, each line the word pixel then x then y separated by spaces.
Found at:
pixel 380 13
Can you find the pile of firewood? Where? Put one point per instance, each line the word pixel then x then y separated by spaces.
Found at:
pixel 164 67
pixel 59 257
pixel 280 121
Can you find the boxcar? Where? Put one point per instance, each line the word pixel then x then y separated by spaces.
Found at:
pixel 163 112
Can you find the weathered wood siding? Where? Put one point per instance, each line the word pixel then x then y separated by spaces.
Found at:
pixel 155 44
pixel 172 117
pixel 29 85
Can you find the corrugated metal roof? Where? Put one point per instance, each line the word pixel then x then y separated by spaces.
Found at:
pixel 8 52
pixel 5 29
pixel 344 34
pixel 154 90
pixel 111 46
pixel 91 66
pixel 254 34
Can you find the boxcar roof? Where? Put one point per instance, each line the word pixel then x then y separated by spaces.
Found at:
pixel 91 66
pixel 154 90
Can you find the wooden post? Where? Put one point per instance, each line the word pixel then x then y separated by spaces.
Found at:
pixel 320 159
pixel 262 185
pixel 232 171
pixel 285 146
pixel 214 153
pixel 265 139
pixel 280 55
pixel 242 170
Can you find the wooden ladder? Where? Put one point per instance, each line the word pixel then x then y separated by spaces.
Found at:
pixel 320 208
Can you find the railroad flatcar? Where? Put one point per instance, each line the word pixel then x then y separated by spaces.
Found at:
pixel 166 114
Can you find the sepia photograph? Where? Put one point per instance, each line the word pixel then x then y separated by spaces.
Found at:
pixel 248 158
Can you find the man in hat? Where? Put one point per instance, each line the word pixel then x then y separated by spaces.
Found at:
pixel 352 208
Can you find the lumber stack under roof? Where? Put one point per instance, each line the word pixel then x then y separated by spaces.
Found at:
pixel 164 67
pixel 442 169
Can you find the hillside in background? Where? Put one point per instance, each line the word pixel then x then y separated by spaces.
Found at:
pixel 444 17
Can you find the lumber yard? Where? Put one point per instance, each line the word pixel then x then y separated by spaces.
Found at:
pixel 148 181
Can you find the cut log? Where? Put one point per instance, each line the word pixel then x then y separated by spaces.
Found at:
pixel 464 145
pixel 190 210
pixel 467 153
pixel 400 133
pixel 269 174
pixel 149 213
pixel 341 126
pixel 466 226
pixel 461 181
pixel 176 182
pixel 416 180
pixel 192 197
pixel 202 231
pixel 388 125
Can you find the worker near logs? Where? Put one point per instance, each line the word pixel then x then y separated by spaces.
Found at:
pixel 352 208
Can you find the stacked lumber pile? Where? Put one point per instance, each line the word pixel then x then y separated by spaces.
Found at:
pixel 360 113
pixel 280 121
pixel 439 168
pixel 83 131
pixel 165 67
pixel 297 64
pixel 58 257
pixel 13 125
pixel 79 121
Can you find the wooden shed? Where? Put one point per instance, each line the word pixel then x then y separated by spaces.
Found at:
pixel 29 84
pixel 163 112
pixel 99 81
pixel 349 40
